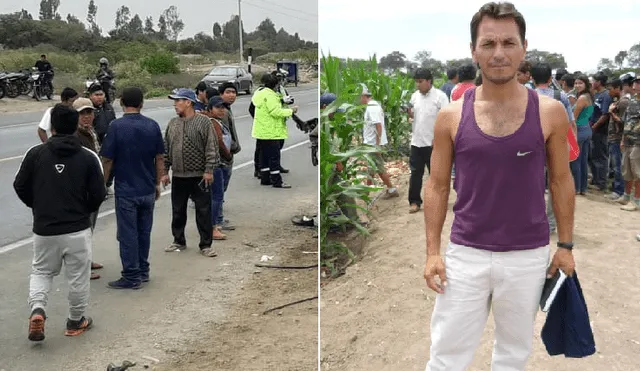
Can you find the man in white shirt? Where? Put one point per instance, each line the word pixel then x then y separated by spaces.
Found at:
pixel 426 102
pixel 67 96
pixel 375 134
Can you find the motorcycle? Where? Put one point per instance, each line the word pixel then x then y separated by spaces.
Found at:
pixel 41 87
pixel 308 127
pixel 3 84
pixel 18 83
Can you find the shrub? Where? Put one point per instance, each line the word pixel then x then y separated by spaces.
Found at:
pixel 161 63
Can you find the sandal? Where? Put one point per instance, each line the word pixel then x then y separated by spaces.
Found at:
pixel 94 276
pixel 95 265
pixel 303 220
pixel 218 235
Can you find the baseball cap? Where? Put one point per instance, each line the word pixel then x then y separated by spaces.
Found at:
pixel 183 93
pixel 215 102
pixel 327 98
pixel 365 91
pixel 82 104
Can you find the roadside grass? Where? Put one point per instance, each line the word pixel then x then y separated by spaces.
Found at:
pixel 72 69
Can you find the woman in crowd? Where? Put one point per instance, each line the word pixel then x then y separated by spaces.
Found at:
pixel 582 111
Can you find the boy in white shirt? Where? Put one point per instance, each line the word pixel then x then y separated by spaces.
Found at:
pixel 426 102
pixel 375 134
pixel 67 96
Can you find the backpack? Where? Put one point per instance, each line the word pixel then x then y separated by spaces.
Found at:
pixel 574 150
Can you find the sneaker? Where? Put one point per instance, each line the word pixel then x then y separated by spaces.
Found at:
pixel 390 194
pixel 208 252
pixel 124 284
pixel 613 196
pixel 631 206
pixel 144 279
pixel 623 200
pixel 283 185
pixel 36 325
pixel 227 226
pixel 175 247
pixel 75 328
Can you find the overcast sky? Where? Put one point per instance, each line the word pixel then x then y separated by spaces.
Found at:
pixel 299 16
pixel 582 30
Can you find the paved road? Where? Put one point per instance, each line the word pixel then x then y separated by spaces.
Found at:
pixel 18 133
pixel 156 320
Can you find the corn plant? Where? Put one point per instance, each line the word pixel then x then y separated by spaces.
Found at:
pixel 340 136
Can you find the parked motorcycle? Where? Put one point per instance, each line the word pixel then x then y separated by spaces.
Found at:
pixel 3 84
pixel 18 83
pixel 40 85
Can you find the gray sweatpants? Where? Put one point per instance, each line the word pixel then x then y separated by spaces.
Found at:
pixel 49 253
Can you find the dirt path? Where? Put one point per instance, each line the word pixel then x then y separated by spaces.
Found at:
pixel 376 316
pixel 248 339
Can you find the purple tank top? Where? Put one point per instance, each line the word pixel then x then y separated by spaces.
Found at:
pixel 500 183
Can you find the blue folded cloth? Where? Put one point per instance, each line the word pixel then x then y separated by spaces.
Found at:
pixel 567 329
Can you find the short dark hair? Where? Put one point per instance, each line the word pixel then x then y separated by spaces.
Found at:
pixel 570 79
pixel 615 83
pixel 95 88
pixel 225 86
pixel 132 97
pixel 501 10
pixel 423 74
pixel 42 56
pixel 467 72
pixel 68 93
pixel 269 80
pixel 601 78
pixel 452 73
pixel 541 72
pixel 202 86
pixel 561 72
pixel 212 92
pixel 64 119
pixel 524 67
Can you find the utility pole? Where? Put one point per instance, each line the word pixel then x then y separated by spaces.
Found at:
pixel 240 32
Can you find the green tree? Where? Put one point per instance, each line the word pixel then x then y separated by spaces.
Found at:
pixel 72 19
pixel 393 61
pixel 174 23
pixel 123 17
pixel 555 60
pixel 92 12
pixel 620 58
pixel 606 63
pixel 217 30
pixel 633 57
pixel 49 9
pixel 148 26
pixel 162 27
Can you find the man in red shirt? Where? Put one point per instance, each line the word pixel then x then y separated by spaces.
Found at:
pixel 467 76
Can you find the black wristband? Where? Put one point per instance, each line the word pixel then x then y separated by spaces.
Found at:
pixel 566 245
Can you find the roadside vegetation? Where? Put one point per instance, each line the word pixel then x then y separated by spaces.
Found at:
pixel 142 53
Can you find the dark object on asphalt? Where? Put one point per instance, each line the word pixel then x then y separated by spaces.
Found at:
pixel 303 220
pixel 124 367
pixel 286 266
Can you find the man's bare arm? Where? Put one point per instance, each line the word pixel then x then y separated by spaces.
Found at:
pixel 378 133
pixel 107 163
pixel 560 179
pixel 159 168
pixel 436 195
pixel 42 135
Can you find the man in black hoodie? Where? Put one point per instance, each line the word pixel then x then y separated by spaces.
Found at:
pixel 62 182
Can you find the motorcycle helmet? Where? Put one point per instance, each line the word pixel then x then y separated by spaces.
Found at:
pixel 104 61
pixel 628 77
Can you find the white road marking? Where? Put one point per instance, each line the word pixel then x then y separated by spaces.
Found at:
pixel 14 245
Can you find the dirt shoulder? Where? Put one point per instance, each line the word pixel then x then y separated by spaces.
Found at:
pixel 250 340
pixel 377 316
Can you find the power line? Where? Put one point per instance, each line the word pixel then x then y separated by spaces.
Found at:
pixel 294 10
pixel 315 19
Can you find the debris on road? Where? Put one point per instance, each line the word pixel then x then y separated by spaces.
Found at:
pixel 124 367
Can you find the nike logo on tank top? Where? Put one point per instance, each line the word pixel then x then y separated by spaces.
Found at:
pixel 500 183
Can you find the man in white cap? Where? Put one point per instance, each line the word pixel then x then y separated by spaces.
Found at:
pixel 375 134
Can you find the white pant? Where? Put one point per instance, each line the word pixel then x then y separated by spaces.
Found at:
pixel 510 283
pixel 49 254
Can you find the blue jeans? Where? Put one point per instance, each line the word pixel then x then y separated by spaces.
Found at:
pixel 616 154
pixel 217 196
pixel 226 172
pixel 134 217
pixel 580 167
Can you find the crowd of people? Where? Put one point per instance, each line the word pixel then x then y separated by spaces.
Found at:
pixel 87 154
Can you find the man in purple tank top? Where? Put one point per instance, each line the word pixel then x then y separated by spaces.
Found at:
pixel 499 136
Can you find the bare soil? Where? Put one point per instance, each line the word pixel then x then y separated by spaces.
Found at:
pixel 284 339
pixel 377 315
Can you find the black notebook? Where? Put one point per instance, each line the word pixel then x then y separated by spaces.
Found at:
pixel 550 289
